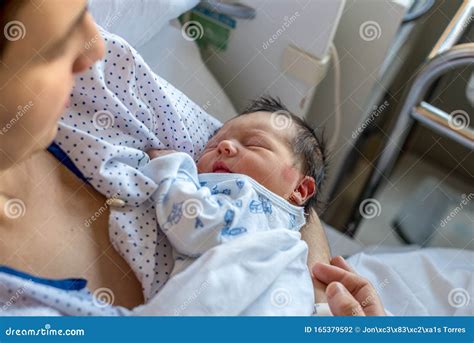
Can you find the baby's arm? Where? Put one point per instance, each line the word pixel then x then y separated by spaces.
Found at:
pixel 193 219
pixel 154 153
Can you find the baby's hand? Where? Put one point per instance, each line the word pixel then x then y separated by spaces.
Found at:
pixel 154 153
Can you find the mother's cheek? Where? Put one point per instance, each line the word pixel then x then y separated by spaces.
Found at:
pixel 52 86
pixel 46 88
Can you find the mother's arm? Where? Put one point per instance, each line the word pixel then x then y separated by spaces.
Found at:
pixel 337 283
pixel 313 234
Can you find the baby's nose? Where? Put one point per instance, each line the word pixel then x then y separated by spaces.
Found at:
pixel 227 147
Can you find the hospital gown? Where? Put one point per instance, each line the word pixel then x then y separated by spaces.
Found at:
pixel 119 109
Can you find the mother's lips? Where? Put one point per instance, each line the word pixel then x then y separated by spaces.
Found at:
pixel 220 167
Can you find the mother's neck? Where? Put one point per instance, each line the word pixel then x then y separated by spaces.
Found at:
pixel 18 182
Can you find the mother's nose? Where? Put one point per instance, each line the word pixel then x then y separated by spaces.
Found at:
pixel 227 147
pixel 93 49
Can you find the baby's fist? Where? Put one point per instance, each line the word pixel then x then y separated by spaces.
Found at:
pixel 154 153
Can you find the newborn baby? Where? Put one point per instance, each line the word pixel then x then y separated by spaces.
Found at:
pixel 259 172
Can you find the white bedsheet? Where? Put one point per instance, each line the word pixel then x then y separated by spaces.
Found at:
pixel 138 21
pixel 424 282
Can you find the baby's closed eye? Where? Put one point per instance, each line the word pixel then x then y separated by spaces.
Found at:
pixel 256 142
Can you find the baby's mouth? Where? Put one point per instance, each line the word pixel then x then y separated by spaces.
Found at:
pixel 220 167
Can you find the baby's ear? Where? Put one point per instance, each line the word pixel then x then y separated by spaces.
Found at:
pixel 305 190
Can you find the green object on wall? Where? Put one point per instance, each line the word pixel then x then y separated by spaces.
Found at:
pixel 207 28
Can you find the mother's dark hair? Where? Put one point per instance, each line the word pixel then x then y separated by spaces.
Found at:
pixel 8 11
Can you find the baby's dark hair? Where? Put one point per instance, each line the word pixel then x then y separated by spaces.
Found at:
pixel 308 146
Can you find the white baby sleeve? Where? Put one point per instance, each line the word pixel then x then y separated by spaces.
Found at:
pixel 236 278
pixel 193 219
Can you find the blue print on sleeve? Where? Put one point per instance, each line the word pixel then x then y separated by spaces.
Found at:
pixel 255 206
pixel 227 230
pixel 233 231
pixel 292 221
pixel 240 183
pixel 175 215
pixel 263 205
pixel 215 191
pixel 198 224
pixel 266 204
pixel 229 217
pixel 238 203
pixel 203 183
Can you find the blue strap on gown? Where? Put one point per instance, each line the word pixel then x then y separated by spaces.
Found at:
pixel 64 159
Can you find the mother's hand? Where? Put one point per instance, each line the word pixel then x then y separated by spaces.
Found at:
pixel 348 294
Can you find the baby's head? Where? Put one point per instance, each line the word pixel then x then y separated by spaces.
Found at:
pixel 276 148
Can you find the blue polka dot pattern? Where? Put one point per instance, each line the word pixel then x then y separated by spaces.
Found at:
pixel 19 296
pixel 119 109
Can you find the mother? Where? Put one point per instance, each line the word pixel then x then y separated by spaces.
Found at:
pixel 41 51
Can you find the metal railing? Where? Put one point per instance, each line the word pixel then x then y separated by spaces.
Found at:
pixel 444 57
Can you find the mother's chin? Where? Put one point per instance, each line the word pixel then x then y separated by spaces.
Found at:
pixel 24 134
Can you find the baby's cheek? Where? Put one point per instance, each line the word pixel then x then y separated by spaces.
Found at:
pixel 199 166
pixel 289 174
pixel 202 165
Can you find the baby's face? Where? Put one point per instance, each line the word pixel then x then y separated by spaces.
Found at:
pixel 251 145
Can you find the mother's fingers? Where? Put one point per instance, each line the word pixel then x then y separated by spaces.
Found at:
pixel 360 288
pixel 340 262
pixel 327 274
pixel 341 302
